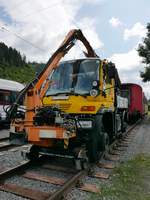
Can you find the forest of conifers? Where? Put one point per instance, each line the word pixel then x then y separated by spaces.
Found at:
pixel 14 66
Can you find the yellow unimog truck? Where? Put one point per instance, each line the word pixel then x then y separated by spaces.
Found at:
pixel 73 108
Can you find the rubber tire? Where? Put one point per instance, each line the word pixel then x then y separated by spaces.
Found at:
pixel 92 150
pixel 106 142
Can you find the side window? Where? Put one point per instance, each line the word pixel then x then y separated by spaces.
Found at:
pixel 4 97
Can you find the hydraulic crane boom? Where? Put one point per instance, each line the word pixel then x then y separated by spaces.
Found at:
pixel 40 85
pixel 35 90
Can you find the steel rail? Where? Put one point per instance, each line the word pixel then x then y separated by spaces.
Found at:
pixel 4 139
pixel 133 126
pixel 14 170
pixel 6 147
pixel 125 134
pixel 59 194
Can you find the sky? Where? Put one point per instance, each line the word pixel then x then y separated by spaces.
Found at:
pixel 114 28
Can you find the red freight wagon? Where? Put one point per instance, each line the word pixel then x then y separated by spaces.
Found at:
pixel 134 94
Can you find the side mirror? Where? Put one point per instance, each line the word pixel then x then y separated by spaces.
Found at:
pixel 111 70
pixel 113 73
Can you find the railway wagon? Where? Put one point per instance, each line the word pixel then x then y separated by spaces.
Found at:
pixel 8 93
pixel 135 95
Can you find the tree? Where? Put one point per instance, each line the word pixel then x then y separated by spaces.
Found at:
pixel 10 56
pixel 144 52
pixel 13 65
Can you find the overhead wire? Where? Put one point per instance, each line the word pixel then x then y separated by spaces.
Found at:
pixel 40 10
pixel 3 28
pixel 21 38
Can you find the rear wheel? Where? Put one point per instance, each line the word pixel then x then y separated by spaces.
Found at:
pixel 97 145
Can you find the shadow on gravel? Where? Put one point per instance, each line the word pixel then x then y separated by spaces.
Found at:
pixel 147 120
pixel 130 181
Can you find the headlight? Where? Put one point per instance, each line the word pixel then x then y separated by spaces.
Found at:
pixel 94 93
pixel 84 124
pixel 95 83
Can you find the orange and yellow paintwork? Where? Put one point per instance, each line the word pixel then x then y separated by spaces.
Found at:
pixel 73 104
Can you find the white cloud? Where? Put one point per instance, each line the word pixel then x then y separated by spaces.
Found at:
pixel 88 27
pixel 126 61
pixel 129 66
pixel 115 22
pixel 146 87
pixel 138 30
pixel 45 24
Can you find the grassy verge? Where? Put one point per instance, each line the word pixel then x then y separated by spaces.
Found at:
pixel 131 181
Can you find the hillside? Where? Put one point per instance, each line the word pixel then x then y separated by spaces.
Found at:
pixel 13 65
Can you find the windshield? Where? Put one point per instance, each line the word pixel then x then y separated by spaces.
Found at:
pixel 74 77
pixel 88 72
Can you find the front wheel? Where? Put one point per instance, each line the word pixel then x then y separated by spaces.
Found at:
pixel 105 143
pixel 97 145
pixel 93 152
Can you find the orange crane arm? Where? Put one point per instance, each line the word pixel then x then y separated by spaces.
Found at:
pixel 41 83
pixel 35 90
pixel 66 45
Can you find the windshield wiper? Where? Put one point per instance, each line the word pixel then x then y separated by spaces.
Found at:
pixel 68 93
pixel 59 93
pixel 85 94
pixel 65 93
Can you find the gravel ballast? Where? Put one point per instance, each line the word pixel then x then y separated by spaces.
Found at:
pixel 140 143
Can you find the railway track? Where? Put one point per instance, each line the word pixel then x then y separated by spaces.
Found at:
pixel 23 171
pixel 30 171
pixel 4 139
pixel 5 145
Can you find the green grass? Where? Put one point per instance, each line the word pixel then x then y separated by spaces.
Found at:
pixel 130 181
